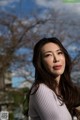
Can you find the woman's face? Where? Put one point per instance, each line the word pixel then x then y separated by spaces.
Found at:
pixel 53 59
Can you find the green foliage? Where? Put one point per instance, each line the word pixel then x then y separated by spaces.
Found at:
pixel 11 116
pixel 16 99
pixel 19 97
pixel 26 104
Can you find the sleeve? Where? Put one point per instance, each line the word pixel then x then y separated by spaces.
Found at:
pixel 45 103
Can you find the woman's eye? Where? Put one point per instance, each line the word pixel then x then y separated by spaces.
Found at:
pixel 47 55
pixel 60 53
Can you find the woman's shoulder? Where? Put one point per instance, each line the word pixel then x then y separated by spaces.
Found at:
pixel 40 88
pixel 44 89
pixel 43 86
pixel 43 93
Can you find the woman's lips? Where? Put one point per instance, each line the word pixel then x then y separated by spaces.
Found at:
pixel 58 67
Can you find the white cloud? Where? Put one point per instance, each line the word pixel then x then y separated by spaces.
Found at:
pixel 48 3
pixel 7 2
pixel 60 5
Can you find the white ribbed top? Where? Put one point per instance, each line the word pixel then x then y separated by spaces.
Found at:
pixel 44 105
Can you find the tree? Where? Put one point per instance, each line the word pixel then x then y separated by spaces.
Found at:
pixel 15 35
pixel 18 36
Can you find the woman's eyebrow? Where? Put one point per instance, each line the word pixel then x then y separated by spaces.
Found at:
pixel 51 51
pixel 47 52
pixel 59 50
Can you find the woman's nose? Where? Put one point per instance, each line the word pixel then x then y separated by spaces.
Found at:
pixel 56 58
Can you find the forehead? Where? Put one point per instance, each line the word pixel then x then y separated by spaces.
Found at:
pixel 50 47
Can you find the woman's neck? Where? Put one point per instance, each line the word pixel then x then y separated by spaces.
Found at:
pixel 57 79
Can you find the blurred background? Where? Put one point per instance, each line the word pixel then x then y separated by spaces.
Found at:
pixel 22 24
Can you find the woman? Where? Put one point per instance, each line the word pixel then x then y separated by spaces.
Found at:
pixel 53 95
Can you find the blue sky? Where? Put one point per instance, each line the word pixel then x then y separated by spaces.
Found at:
pixel 16 81
pixel 18 76
pixel 20 7
pixel 29 6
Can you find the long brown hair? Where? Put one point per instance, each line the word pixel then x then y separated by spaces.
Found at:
pixel 66 86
